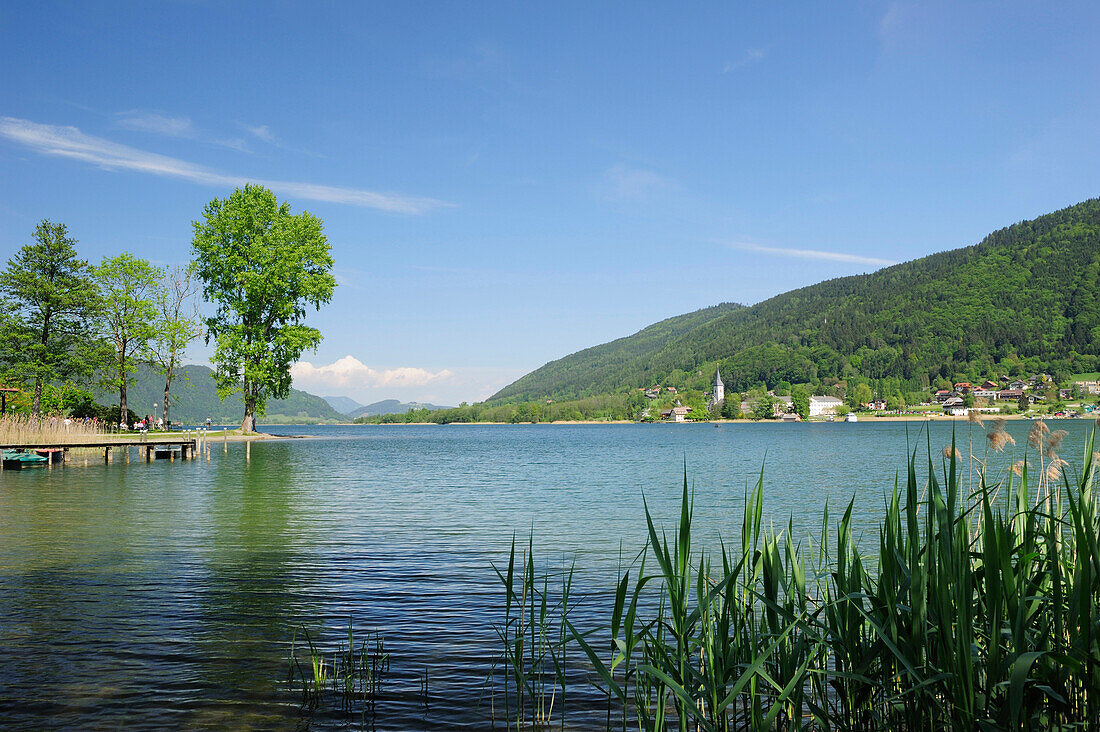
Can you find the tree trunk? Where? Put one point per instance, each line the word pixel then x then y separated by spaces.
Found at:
pixel 248 424
pixel 122 403
pixel 167 386
pixel 36 407
pixel 164 413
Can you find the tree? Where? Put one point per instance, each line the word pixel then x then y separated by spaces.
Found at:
pixel 800 402
pixel 731 405
pixel 859 395
pixel 764 408
pixel 52 299
pixel 128 285
pixel 261 266
pixel 177 324
pixel 1024 403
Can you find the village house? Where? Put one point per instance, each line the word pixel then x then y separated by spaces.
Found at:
pixel 955 407
pixel 963 387
pixel 990 386
pixel 1089 387
pixel 983 393
pixel 823 405
pixel 943 394
pixel 679 414
pixel 878 405
pixel 1018 385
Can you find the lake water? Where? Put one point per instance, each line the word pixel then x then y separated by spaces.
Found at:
pixel 165 595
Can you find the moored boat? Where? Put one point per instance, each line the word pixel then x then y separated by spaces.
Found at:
pixel 17 460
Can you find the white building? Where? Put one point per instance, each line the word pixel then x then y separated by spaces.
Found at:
pixel 822 405
pixel 679 414
pixel 719 395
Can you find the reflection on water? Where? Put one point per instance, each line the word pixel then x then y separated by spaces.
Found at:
pixel 166 594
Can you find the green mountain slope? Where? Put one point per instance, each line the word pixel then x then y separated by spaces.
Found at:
pixel 195 397
pixel 1026 298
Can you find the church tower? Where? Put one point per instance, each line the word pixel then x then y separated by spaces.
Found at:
pixel 719 389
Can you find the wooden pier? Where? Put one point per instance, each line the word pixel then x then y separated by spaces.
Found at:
pixel 186 446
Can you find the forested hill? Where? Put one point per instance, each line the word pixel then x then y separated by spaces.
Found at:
pixel 195 397
pixel 1026 298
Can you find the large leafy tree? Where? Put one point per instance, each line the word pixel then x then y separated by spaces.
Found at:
pixel 51 300
pixel 128 285
pixel 261 266
pixel 177 324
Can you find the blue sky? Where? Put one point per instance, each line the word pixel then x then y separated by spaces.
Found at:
pixel 503 184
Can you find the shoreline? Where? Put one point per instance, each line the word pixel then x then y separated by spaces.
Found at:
pixel 862 420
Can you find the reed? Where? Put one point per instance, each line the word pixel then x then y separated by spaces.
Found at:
pixel 349 677
pixel 979 610
pixel 26 429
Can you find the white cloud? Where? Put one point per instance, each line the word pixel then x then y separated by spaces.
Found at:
pixel 810 254
pixel 623 183
pixel 351 373
pixel 751 56
pixel 157 123
pixel 70 142
pixel 264 133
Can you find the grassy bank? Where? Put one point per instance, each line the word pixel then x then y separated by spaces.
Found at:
pixel 978 610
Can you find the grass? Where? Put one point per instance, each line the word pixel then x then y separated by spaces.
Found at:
pixel 979 610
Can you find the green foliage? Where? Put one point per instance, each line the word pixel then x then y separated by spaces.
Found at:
pixel 764 408
pixel 127 286
pixel 1024 300
pixel 976 612
pixel 50 301
pixel 261 266
pixel 731 407
pixel 800 402
pixel 177 324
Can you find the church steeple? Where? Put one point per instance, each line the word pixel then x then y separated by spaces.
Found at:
pixel 719 388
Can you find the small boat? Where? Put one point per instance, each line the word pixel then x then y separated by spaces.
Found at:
pixel 17 460
pixel 52 454
pixel 851 417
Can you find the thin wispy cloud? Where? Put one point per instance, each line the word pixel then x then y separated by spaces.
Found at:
pixel 750 57
pixel 71 143
pixel 263 132
pixel 167 125
pixel 350 372
pixel 157 123
pixel 625 183
pixel 810 254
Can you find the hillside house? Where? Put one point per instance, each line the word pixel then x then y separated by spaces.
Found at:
pixel 944 394
pixel 679 414
pixel 983 393
pixel 964 387
pixel 990 386
pixel 1018 385
pixel 823 405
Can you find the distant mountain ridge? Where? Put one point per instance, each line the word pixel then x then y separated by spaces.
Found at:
pixel 1027 296
pixel 390 406
pixel 195 398
pixel 342 404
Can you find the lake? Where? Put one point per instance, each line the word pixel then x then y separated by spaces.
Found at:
pixel 167 594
